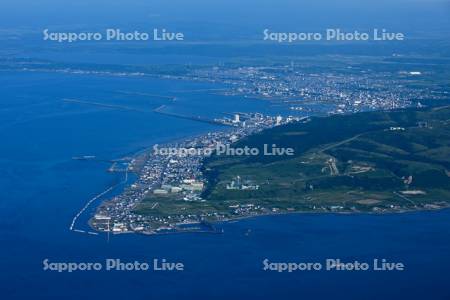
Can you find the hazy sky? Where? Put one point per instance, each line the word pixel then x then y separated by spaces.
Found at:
pixel 414 15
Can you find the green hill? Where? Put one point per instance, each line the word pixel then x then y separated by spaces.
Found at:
pixel 374 161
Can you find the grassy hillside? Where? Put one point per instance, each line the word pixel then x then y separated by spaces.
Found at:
pixel 352 162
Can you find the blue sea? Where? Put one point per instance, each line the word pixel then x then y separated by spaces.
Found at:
pixel 42 188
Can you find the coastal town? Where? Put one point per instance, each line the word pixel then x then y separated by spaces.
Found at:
pixel 175 170
pixel 343 89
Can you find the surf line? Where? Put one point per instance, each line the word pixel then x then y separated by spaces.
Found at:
pixel 86 206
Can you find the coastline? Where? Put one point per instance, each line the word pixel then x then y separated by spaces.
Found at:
pixel 155 169
pixel 140 154
pixel 146 150
pixel 241 218
pixel 143 158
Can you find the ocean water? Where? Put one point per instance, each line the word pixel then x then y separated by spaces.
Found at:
pixel 42 188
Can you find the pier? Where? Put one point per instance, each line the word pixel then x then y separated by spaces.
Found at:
pixel 86 206
pixel 104 105
pixel 159 110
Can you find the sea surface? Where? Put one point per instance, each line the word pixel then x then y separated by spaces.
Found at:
pixel 42 188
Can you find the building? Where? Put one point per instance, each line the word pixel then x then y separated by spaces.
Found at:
pixel 160 192
pixel 279 119
pixel 175 189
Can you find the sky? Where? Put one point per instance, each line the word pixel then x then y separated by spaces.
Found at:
pixel 231 15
